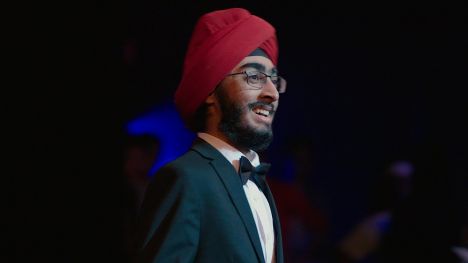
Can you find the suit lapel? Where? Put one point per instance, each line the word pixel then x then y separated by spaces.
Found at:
pixel 276 222
pixel 233 185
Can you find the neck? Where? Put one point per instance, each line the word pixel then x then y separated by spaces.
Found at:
pixel 225 139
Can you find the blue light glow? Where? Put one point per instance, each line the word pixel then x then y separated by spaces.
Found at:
pixel 165 123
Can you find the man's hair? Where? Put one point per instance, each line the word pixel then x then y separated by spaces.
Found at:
pixel 197 122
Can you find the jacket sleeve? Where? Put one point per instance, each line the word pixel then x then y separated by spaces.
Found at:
pixel 169 222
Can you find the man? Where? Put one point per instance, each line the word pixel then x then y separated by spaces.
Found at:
pixel 213 204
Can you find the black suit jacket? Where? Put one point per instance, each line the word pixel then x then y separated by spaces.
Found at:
pixel 195 210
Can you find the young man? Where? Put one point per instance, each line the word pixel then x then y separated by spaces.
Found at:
pixel 213 204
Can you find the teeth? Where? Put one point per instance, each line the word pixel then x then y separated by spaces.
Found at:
pixel 262 112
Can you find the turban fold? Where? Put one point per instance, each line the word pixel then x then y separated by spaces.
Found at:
pixel 220 40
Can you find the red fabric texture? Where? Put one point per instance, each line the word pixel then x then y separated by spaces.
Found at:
pixel 220 40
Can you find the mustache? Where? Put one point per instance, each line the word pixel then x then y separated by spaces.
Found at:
pixel 268 106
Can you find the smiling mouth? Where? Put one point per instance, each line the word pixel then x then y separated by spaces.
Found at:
pixel 264 110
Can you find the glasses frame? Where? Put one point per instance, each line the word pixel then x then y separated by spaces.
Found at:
pixel 281 87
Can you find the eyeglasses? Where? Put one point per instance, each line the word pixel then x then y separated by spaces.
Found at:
pixel 258 79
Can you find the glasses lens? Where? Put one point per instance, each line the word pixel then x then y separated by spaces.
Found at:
pixel 256 79
pixel 275 80
pixel 281 85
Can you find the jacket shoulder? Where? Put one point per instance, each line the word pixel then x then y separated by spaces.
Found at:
pixel 190 166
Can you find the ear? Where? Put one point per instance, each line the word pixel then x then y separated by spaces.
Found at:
pixel 211 99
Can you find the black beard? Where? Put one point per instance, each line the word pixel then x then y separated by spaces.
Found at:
pixel 240 135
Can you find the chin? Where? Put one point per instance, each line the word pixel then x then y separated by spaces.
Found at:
pixel 261 130
pixel 248 136
pixel 254 124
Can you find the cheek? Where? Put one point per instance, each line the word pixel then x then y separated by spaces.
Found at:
pixel 241 100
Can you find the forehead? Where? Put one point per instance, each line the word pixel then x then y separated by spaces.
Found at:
pixel 256 62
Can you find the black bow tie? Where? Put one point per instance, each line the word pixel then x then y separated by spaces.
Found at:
pixel 247 171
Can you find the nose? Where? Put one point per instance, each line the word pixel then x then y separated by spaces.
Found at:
pixel 269 91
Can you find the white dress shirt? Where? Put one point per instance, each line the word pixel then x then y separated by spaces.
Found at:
pixel 258 203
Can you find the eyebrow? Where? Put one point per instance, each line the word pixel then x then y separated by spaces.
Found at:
pixel 259 67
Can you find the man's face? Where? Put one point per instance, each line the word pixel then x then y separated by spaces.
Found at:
pixel 247 112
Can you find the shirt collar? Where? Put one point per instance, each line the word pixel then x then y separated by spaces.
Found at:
pixel 229 152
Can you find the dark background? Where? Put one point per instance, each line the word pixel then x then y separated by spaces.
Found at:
pixel 365 83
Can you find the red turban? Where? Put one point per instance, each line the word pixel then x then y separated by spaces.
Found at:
pixel 220 40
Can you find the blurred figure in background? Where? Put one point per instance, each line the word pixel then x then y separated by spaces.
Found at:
pixel 392 188
pixel 304 224
pixel 140 153
pixel 427 226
